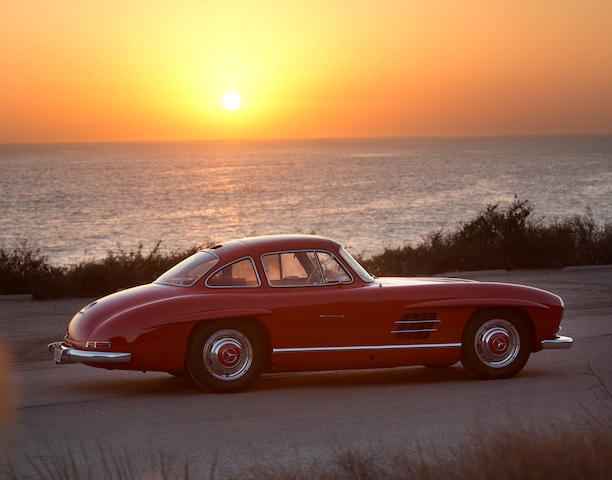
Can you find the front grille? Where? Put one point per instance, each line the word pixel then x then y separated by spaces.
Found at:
pixel 416 326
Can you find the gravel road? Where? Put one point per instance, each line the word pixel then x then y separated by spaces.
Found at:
pixel 294 417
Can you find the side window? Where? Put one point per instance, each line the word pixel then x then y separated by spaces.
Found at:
pixel 237 274
pixel 292 269
pixel 332 270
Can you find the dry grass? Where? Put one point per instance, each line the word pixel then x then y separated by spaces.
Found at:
pixel 556 454
pixel 570 452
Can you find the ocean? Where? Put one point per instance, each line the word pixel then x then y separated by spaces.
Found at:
pixel 77 201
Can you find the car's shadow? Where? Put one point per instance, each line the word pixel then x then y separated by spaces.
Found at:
pixel 125 385
pixel 380 377
pixel 353 378
pixel 161 384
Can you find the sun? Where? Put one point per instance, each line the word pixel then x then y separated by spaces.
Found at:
pixel 231 101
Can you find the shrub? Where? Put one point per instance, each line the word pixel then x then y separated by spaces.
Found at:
pixel 25 270
pixel 119 270
pixel 506 238
pixel 22 267
pixel 501 238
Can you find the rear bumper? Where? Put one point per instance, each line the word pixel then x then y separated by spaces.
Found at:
pixel 557 342
pixel 65 354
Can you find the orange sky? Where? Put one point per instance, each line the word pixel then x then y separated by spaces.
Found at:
pixel 156 70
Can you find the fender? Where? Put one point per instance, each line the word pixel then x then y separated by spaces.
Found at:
pixel 131 322
pixel 216 314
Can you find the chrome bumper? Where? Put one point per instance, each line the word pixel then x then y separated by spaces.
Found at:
pixel 64 354
pixel 557 342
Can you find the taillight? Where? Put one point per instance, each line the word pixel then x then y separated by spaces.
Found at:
pixel 98 345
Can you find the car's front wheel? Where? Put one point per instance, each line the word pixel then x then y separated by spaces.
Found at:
pixel 496 344
pixel 225 356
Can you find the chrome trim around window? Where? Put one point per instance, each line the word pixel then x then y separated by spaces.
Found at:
pixel 235 286
pixel 314 250
pixel 365 347
pixel 360 271
pixel 64 354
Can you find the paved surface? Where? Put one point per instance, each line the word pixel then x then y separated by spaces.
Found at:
pixel 297 417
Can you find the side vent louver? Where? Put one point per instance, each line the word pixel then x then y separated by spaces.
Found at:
pixel 416 326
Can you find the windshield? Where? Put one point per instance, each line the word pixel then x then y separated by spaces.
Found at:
pixel 190 270
pixel 354 264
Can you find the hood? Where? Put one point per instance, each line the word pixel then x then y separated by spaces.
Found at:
pixel 455 292
pixel 90 316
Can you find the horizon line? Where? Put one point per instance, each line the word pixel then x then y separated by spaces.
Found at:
pixel 294 139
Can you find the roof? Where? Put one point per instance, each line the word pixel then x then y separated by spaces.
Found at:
pixel 270 243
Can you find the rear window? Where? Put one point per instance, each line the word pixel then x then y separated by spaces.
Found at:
pixel 190 270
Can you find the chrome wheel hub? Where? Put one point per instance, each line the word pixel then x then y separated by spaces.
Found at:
pixel 497 343
pixel 227 354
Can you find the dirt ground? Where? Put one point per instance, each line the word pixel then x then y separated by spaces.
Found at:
pixel 46 409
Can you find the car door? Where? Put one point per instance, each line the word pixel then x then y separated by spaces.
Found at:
pixel 322 311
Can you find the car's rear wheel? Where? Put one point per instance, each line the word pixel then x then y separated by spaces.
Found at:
pixel 496 344
pixel 225 356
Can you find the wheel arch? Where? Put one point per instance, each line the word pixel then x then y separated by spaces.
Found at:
pixel 264 333
pixel 514 310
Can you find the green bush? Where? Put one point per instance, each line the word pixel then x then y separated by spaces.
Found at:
pixel 498 238
pixel 22 267
pixel 118 270
pixel 25 270
pixel 501 238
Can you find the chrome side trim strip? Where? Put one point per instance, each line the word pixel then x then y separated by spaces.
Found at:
pixel 401 322
pixel 331 315
pixel 558 343
pixel 365 347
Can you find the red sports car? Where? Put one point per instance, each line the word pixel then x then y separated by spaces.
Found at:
pixel 297 302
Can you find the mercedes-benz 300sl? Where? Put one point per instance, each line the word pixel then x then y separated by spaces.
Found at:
pixel 289 303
